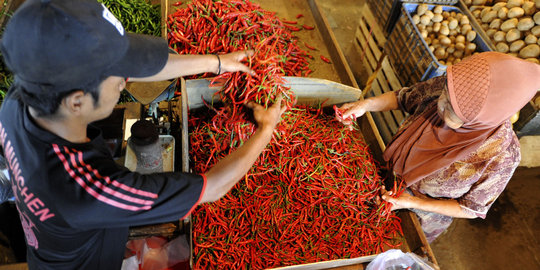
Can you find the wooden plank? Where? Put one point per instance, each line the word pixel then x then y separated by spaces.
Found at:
pixel 416 239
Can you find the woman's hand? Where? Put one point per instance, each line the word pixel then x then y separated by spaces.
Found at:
pixel 354 110
pixel 405 200
pixel 231 62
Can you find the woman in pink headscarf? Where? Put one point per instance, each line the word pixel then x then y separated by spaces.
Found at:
pixel 457 150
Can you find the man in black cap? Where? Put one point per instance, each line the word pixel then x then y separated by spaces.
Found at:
pixel 71 59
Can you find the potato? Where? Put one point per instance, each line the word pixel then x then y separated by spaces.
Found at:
pixel 464 20
pixel 421 9
pixel 513 54
pixel 485 26
pixel 416 19
pixel 440 53
pixel 517 45
pixel 458 54
pixel 446 14
pixel 465 28
pixel 425 19
pixel 502 13
pixel 429 29
pixel 460 46
pixel 502 47
pixel 509 24
pixel 491 32
pixel 476 13
pixel 536 31
pixel 499 36
pixel 525 24
pixel 536 18
pixel 537 3
pixel 513 35
pixel 498 6
pixel 452 23
pixel 471 35
pixel 444 30
pixel 530 51
pixel 437 18
pixel 529 8
pixel 453 14
pixel 495 24
pixel 534 60
pixel 514 3
pixel 429 13
pixel 436 27
pixel 424 33
pixel 444 40
pixel 437 10
pixel 451 49
pixel 515 12
pixel 490 16
pixel 453 39
pixel 485 11
pixel 470 47
pixel 431 48
pixel 530 39
pixel 457 61
pixel 478 2
pixel 460 38
pixel 453 32
pixel 514 117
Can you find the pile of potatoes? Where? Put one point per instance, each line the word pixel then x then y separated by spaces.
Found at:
pixel 449 35
pixel 512 25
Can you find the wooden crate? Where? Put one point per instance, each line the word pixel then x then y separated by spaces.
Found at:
pixel 369 43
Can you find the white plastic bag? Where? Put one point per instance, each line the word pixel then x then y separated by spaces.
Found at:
pixel 395 259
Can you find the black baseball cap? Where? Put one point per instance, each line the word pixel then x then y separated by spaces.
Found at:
pixel 60 45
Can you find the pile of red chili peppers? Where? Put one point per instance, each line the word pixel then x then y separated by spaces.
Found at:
pixel 311 195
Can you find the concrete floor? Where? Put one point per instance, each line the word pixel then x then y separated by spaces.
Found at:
pixel 509 238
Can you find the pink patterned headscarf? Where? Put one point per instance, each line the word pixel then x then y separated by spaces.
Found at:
pixel 485 90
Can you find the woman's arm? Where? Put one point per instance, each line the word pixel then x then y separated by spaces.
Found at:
pixel 448 207
pixel 385 102
pixel 185 65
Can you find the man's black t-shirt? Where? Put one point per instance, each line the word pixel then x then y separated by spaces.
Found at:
pixel 75 202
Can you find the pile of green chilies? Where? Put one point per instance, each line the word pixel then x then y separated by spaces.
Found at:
pixel 309 197
pixel 137 16
pixel 6 79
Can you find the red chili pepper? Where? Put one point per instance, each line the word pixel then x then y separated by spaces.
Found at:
pixel 289 22
pixel 326 59
pixel 299 16
pixel 310 47
pixel 308 27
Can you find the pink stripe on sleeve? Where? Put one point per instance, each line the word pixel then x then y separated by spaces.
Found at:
pixel 116 183
pixel 99 185
pixel 90 190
